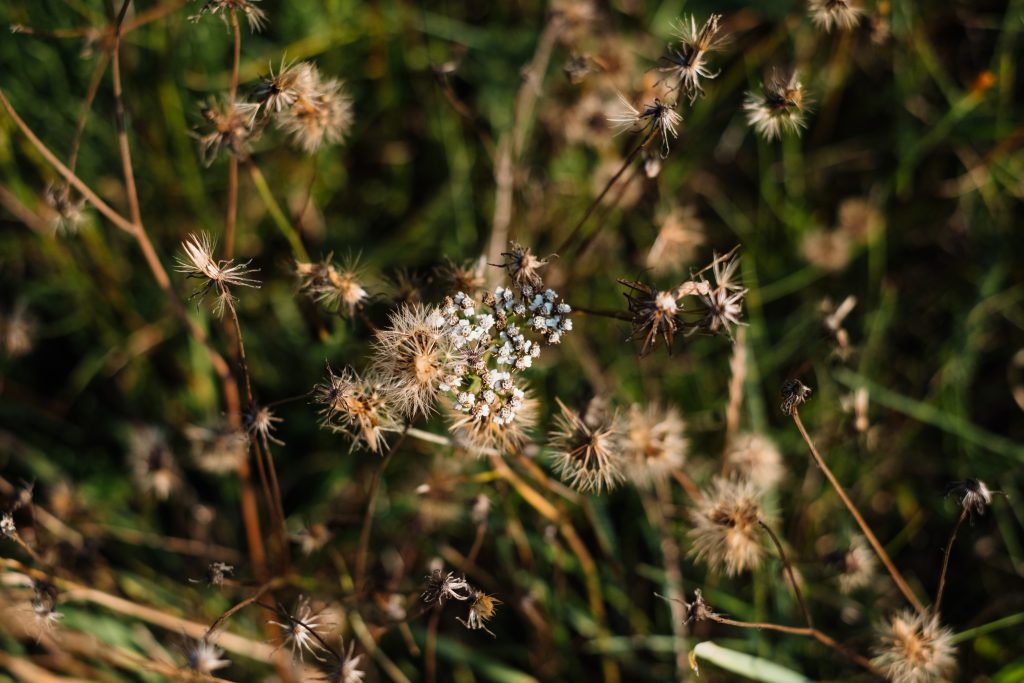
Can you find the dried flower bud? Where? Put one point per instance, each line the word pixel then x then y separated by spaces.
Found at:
pixel 794 395
pixel 439 587
pixel 972 495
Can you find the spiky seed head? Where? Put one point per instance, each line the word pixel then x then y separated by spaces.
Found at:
pixel 688 64
pixel 255 17
pixel 356 406
pixel 523 266
pixel 654 444
pixel 757 458
pixel 323 116
pixel 915 648
pixel 231 126
pixel 829 14
pixel 856 565
pixel 440 587
pixel 299 630
pixel 588 457
pixel 726 532
pixel 482 608
pixel 779 108
pixel 414 355
pixel 199 263
pixel 345 669
pixel 479 433
pixel 280 91
pixel 339 288
pixel 204 657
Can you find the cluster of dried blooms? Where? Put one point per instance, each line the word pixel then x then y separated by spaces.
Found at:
pixel 440 587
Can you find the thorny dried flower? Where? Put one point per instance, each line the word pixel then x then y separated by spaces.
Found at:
pixel 654 444
pixel 522 266
pixel 794 395
pixel 298 630
pixel 588 457
pixel 659 117
pixel 321 116
pixel 312 538
pixel 915 648
pixel 726 529
pixel 654 312
pixel 8 529
pixel 220 275
pixel 756 458
pixel 204 657
pixel 481 609
pixel 232 126
pixel 338 288
pixel 779 108
pixel 279 92
pixel 153 465
pixel 856 565
pixel 971 494
pixel 18 328
pixel 829 14
pixel 687 64
pixel 217 572
pixel 439 587
pixel 261 422
pixel 680 234
pixel 68 212
pixel 345 668
pixel 218 448
pixel 256 17
pixel 356 406
pixel 414 355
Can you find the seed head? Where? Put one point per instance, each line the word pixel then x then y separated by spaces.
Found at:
pixel 972 495
pixel 414 355
pixel 687 65
pixel 44 607
pixel 657 116
pixel 199 263
pixel 756 457
pixel 218 448
pixel 299 630
pixel 256 17
pixel 794 395
pixel 726 531
pixel 67 210
pixel 154 467
pixel 829 14
pixel 439 587
pixel 654 444
pixel 587 454
pixel 8 529
pixel 231 126
pixel 465 277
pixel 779 108
pixel 680 234
pixel 915 648
pixel 338 288
pixel 481 609
pixel 856 565
pixel 204 657
pixel 260 422
pixel 292 82
pixel 345 669
pixel 321 116
pixel 654 312
pixel 355 406
pixel 522 266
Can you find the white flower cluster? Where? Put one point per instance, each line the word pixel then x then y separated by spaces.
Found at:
pixel 493 346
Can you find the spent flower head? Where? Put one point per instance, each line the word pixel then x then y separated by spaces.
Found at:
pixel 255 17
pixel 687 65
pixel 587 453
pixel 299 630
pixel 317 116
pixel 345 669
pixel 915 648
pixel 523 266
pixel 231 125
pixel 726 526
pixel 779 107
pixel 204 657
pixel 481 609
pixel 654 443
pixel 439 587
pixel 198 263
pixel 794 394
pixel 356 406
pixel 659 118
pixel 829 14
pixel 757 458
pixel 856 565
pixel 339 288
pixel 971 494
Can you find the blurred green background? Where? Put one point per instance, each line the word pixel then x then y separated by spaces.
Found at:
pixel 924 125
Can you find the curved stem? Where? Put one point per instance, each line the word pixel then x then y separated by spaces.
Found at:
pixel 789 572
pixel 945 560
pixel 879 550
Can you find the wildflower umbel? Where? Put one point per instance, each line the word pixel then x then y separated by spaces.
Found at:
pixel 915 648
pixel 779 108
pixel 200 264
pixel 356 406
pixel 971 494
pixel 298 630
pixel 481 609
pixel 587 455
pixel 794 395
pixel 256 17
pixel 657 117
pixel 439 587
pixel 726 523
pixel 687 65
pixel 829 14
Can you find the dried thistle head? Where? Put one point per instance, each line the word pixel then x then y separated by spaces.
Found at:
pixel 726 530
pixel 321 115
pixel 660 118
pixel 587 456
pixel 688 64
pixel 779 108
pixel 415 356
pixel 439 587
pixel 829 14
pixel 356 406
pixel 153 465
pixel 523 266
pixel 757 458
pixel 481 609
pixel 339 288
pixel 971 494
pixel 653 313
pixel 231 126
pixel 299 629
pixel 255 17
pixel 856 565
pixel 794 395
pixel 655 443
pixel 198 263
pixel 915 648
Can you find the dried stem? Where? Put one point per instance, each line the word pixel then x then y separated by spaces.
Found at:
pixel 122 129
pixel 231 217
pixel 232 611
pixel 945 560
pixel 879 550
pixel 371 505
pixel 83 115
pixel 279 217
pixel 789 572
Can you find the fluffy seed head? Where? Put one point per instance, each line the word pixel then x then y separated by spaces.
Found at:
pixel 654 443
pixel 915 648
pixel 726 531
pixel 199 263
pixel 414 355
pixel 688 63
pixel 829 14
pixel 661 118
pixel 856 565
pixel 972 494
pixel 779 108
pixel 481 609
pixel 523 266
pixel 299 629
pixel 204 657
pixel 153 465
pixel 256 17
pixel 321 116
pixel 355 406
pixel 680 234
pixel 231 126
pixel 339 288
pixel 292 82
pixel 755 457
pixel 587 454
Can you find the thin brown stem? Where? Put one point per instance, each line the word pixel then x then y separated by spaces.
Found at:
pixel 945 560
pixel 879 550
pixel 371 505
pixel 430 647
pixel 789 572
pixel 688 485
pixel 260 592
pixel 83 114
pixel 278 502
pixel 613 202
pixel 122 130
pixel 231 217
